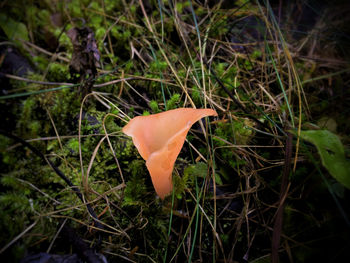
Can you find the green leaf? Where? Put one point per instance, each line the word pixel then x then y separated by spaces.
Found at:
pixel 331 151
pixel 14 30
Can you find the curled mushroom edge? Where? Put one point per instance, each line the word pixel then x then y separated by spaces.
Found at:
pixel 159 139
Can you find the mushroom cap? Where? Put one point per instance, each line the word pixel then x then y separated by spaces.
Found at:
pixel 159 139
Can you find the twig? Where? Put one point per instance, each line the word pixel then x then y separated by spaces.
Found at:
pixel 56 235
pixel 45 51
pixel 37 189
pixel 35 81
pixel 18 237
pixel 277 228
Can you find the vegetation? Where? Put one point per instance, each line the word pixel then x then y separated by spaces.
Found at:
pixel 267 179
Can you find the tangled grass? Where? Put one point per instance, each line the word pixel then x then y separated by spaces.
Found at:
pixel 246 187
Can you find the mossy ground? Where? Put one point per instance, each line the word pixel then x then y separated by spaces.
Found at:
pixel 285 68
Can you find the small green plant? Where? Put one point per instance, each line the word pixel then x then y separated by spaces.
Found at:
pixel 332 154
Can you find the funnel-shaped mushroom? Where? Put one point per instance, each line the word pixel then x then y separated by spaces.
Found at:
pixel 159 139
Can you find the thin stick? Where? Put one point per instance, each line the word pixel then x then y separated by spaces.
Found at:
pixel 18 237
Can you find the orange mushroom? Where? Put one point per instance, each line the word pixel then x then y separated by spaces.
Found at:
pixel 159 139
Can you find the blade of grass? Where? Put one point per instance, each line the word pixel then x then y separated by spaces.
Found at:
pixel 160 5
pixel 149 26
pixel 170 222
pixel 201 51
pixel 29 93
pixel 296 78
pixel 196 225
pixel 180 28
pixel 66 85
pixel 280 84
pixel 161 75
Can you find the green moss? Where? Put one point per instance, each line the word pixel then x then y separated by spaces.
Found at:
pixel 252 171
pixel 256 54
pixel 135 191
pixel 73 144
pixel 96 21
pixel 100 34
pixel 64 41
pixel 154 106
pixel 58 72
pixel 181 5
pixel 96 6
pixel 171 103
pixel 158 66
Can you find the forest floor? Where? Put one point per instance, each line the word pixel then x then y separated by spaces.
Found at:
pixel 267 180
